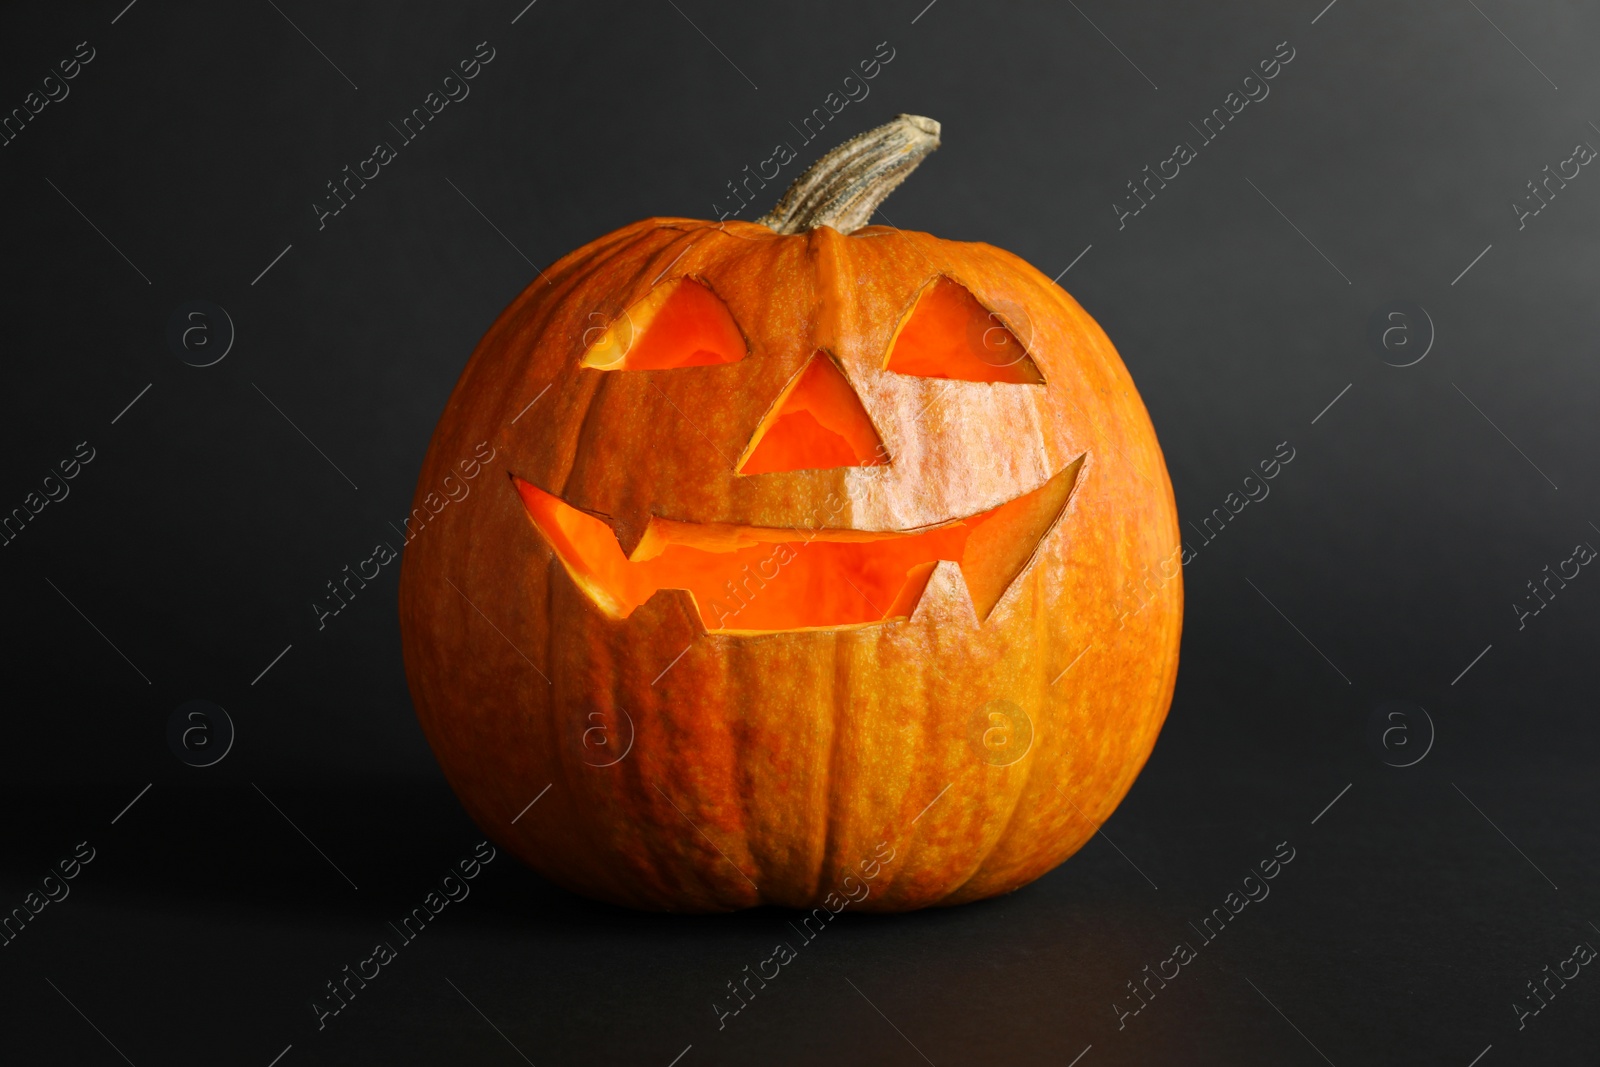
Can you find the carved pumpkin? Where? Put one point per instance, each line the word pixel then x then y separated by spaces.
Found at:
pixel 819 564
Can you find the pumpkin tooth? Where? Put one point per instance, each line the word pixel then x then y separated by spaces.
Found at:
pixel 1000 550
pixel 945 601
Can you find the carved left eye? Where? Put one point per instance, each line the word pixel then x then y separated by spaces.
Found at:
pixel 681 323
pixel 949 334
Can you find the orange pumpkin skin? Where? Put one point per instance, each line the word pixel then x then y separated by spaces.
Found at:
pixel 790 768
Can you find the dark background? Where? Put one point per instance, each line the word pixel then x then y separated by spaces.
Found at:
pixel 1386 558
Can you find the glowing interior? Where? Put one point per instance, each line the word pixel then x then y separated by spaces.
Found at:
pixel 752 579
pixel 679 324
pixel 948 334
pixel 818 422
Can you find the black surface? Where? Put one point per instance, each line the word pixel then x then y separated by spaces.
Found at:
pixel 1397 541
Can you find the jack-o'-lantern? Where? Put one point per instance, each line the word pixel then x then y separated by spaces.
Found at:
pixel 819 564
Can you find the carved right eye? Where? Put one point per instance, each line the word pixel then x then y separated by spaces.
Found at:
pixel 948 334
pixel 680 323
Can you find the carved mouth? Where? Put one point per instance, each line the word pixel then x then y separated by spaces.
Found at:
pixel 755 579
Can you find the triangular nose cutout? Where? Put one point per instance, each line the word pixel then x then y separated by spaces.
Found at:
pixel 818 422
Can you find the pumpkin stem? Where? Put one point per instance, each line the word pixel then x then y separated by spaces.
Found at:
pixel 844 187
